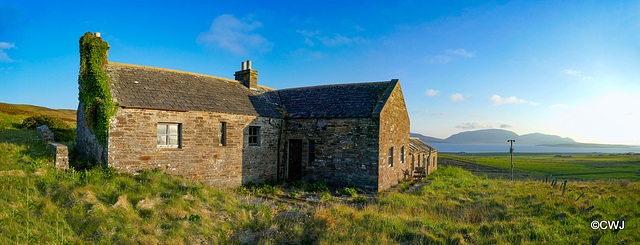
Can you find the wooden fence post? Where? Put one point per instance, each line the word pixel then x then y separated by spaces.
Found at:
pixel 564 186
pixel 554 183
pixel 579 196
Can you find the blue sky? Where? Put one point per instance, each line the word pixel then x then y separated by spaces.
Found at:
pixel 570 68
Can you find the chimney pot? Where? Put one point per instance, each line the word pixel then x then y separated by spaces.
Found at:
pixel 97 34
pixel 246 76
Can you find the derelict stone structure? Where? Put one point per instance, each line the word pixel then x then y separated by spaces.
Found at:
pixel 230 132
pixel 422 155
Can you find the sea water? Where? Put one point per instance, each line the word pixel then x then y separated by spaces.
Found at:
pixel 455 147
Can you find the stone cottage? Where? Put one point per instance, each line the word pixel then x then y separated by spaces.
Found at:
pixel 422 155
pixel 227 132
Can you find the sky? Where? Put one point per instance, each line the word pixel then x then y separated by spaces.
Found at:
pixel 569 68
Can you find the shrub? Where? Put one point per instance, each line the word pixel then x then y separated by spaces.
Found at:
pixel 317 187
pixel 62 132
pixel 360 199
pixel 325 196
pixel 349 192
pixel 294 195
pixel 271 189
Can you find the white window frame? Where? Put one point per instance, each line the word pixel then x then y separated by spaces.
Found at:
pixel 167 135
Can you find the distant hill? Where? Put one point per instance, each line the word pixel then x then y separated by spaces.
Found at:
pixel 492 136
pixel 485 136
pixel 427 139
pixel 30 110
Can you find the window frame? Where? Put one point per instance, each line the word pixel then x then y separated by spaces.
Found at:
pixel 312 151
pixel 402 154
pixel 391 157
pixel 167 135
pixel 255 136
pixel 223 134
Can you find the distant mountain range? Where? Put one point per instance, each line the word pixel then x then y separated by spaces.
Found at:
pixel 495 136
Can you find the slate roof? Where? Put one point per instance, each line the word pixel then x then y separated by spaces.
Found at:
pixel 343 100
pixel 417 145
pixel 155 88
pixel 136 86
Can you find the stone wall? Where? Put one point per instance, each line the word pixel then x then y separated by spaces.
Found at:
pixel 61 155
pixel 394 132
pixel 60 152
pixel 346 150
pixel 133 146
pixel 45 133
pixel 86 142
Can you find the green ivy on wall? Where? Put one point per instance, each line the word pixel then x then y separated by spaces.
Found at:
pixel 94 93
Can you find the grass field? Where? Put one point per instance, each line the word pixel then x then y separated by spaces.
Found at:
pixel 589 166
pixel 41 205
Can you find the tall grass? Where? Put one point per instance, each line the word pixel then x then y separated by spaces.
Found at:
pixel 39 204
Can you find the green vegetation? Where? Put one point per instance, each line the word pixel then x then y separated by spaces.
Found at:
pixel 62 131
pixel 39 204
pixel 22 111
pixel 95 95
pixel 592 166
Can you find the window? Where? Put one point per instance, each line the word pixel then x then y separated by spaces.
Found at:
pixel 418 160
pixel 254 135
pixel 312 151
pixel 223 134
pixel 169 135
pixel 402 154
pixel 391 157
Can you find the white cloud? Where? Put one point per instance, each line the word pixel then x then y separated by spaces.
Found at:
pixel 307 33
pixel 235 35
pixel 432 92
pixel 497 100
pixel 461 52
pixel 473 125
pixel 4 57
pixel 303 53
pixel 444 58
pixel 505 125
pixel 307 36
pixel 571 72
pixel 439 59
pixel 457 97
pixel 340 40
pixel 577 73
pixel 439 114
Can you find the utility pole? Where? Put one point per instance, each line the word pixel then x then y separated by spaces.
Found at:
pixel 511 150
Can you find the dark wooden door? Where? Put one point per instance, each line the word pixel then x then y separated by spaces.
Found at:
pixel 295 159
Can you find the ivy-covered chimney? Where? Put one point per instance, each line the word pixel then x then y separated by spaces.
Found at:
pixel 247 76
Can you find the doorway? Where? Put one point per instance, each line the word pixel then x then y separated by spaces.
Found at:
pixel 295 160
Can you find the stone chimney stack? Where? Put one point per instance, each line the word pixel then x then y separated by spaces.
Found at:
pixel 247 76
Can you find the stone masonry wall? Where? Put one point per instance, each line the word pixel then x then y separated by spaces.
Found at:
pixel 394 132
pixel 133 146
pixel 60 153
pixel 86 142
pixel 346 150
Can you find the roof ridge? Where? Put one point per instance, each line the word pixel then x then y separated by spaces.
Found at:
pixel 183 72
pixel 335 85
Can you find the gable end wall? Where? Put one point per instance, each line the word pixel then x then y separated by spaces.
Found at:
pixel 394 132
